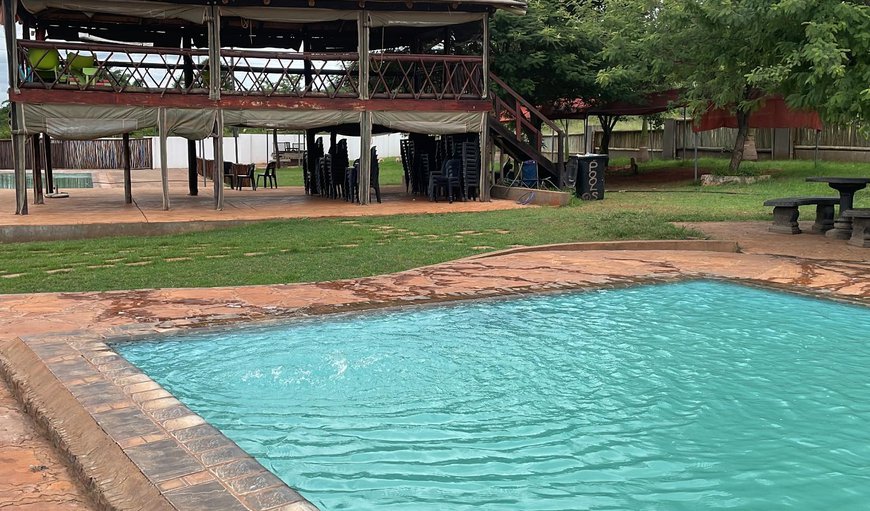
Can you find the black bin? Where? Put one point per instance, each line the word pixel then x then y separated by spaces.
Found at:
pixel 590 178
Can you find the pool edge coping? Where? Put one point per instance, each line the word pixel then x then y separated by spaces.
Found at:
pixel 97 346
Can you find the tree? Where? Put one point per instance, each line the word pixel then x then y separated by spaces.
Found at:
pixel 558 51
pixel 5 128
pixel 732 54
pixel 545 55
pixel 826 64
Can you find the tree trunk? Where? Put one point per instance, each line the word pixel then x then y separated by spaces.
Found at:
pixel 608 122
pixel 742 132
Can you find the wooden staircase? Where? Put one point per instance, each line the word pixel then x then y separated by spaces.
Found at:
pixel 515 127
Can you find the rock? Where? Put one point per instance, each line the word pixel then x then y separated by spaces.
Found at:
pixel 712 180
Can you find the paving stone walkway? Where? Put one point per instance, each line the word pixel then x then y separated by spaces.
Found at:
pixel 32 475
pixel 156 311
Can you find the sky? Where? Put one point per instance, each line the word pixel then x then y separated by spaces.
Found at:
pixel 4 75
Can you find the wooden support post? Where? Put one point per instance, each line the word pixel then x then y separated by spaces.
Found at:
pixel 485 160
pixel 214 53
pixel 587 140
pixel 37 172
pixel 18 143
pixel 164 155
pixel 310 144
pixel 128 177
pixel 277 151
pixel 365 158
pixel 49 171
pixel 415 49
pixel 18 161
pixel 306 64
pixel 309 134
pixel 9 13
pixel 192 178
pixel 485 70
pixel 218 141
pixel 364 54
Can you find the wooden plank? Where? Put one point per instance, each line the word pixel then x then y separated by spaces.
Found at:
pixel 20 172
pixel 364 56
pixel 218 141
pixel 164 156
pixel 49 170
pixel 247 102
pixel 365 163
pixel 485 58
pixel 37 172
pixel 485 161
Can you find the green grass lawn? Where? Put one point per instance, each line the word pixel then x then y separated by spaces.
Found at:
pixel 301 250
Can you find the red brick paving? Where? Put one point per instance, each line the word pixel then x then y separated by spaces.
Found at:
pixel 805 262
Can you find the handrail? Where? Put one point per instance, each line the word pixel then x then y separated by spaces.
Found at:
pixel 523 122
pixel 113 48
pixel 523 102
pixel 302 55
pixel 426 57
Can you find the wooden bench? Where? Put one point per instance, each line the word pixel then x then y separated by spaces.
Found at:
pixel 785 213
pixel 860 226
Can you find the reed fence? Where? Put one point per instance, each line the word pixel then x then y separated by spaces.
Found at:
pixel 99 154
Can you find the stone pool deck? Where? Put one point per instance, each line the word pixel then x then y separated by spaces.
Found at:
pixel 99 212
pixel 139 448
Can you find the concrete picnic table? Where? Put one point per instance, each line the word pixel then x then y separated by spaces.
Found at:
pixel 846 186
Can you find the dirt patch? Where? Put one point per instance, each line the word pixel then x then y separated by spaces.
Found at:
pixel 669 176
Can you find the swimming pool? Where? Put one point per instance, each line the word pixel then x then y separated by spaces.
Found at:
pixel 678 396
pixel 61 180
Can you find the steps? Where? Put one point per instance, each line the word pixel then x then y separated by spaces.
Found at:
pixel 522 151
pixel 525 141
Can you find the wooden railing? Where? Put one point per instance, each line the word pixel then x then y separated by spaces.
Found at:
pixel 109 67
pixel 426 76
pixel 510 108
pixel 132 68
pixel 299 74
pixel 129 68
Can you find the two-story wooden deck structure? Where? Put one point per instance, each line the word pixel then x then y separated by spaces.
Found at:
pixel 91 68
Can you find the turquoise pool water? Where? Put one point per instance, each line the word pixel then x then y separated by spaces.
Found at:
pixel 689 396
pixel 61 180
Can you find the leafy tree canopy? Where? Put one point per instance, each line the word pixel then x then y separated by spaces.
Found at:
pixel 557 51
pixel 732 53
pixel 546 55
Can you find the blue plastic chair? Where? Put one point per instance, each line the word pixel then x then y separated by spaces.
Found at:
pixel 530 174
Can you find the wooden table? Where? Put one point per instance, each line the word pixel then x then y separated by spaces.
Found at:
pixel 846 186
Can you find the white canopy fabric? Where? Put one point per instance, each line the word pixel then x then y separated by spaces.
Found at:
pixel 290 119
pixel 422 19
pixel 139 9
pixel 84 122
pixel 436 123
pixel 197 13
pixel 376 18
pixel 81 122
pixel 189 123
pixel 289 14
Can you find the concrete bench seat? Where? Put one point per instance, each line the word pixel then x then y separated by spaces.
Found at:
pixel 860 226
pixel 785 213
